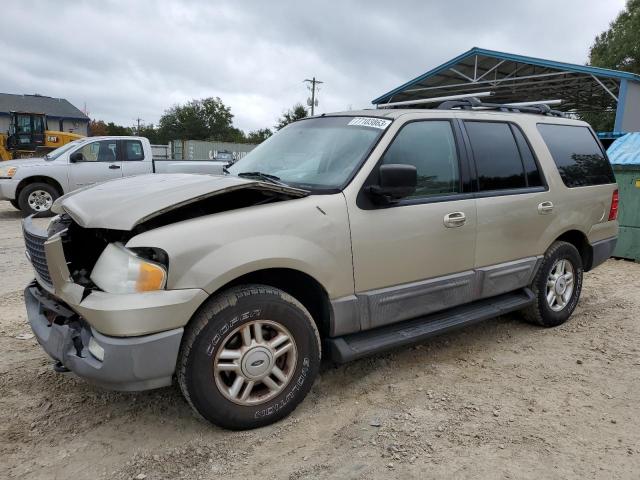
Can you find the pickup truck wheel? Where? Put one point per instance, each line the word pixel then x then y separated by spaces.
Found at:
pixel 15 204
pixel 37 198
pixel 557 286
pixel 248 357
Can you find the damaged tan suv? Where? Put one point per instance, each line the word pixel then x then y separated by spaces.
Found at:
pixel 343 235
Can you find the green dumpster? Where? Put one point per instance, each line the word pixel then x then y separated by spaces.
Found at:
pixel 624 155
pixel 628 178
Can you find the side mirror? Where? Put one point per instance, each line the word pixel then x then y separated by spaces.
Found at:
pixel 76 157
pixel 396 182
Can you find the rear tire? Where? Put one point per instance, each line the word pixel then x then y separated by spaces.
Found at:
pixel 557 286
pixel 37 198
pixel 249 356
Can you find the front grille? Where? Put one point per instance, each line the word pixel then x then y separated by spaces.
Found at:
pixel 35 252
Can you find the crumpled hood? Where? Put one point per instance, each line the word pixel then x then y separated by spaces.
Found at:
pixel 124 203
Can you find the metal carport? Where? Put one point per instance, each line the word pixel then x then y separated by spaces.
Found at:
pixel 517 78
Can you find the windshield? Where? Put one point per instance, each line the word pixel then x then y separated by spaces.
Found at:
pixel 318 153
pixel 60 150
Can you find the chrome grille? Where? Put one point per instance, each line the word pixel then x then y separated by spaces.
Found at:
pixel 35 253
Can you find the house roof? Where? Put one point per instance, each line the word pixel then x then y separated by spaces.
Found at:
pixel 53 107
pixel 516 78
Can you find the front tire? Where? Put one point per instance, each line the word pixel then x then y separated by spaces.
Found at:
pixel 249 356
pixel 37 198
pixel 557 286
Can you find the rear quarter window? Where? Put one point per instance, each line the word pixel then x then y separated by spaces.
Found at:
pixel 580 160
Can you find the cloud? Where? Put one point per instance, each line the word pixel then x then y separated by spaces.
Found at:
pixel 135 59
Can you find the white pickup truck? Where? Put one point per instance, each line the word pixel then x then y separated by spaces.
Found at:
pixel 33 185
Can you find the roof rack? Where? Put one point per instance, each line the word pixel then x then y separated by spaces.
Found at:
pixel 473 103
pixel 420 101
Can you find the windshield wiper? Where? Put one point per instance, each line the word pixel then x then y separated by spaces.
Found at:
pixel 262 176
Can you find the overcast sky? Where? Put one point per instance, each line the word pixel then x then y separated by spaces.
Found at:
pixel 126 59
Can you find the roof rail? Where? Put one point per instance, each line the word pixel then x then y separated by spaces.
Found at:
pixel 474 103
pixel 421 101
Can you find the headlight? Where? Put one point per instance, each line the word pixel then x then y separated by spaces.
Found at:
pixel 120 270
pixel 8 171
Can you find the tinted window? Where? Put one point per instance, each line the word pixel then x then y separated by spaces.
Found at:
pixel 133 150
pixel 496 154
pixel 431 148
pixel 577 154
pixel 534 179
pixel 102 151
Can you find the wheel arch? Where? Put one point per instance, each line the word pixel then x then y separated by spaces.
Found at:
pixel 38 179
pixel 302 286
pixel 579 240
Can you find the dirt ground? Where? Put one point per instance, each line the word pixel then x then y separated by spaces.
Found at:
pixel 502 399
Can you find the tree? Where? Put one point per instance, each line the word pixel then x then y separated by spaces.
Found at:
pixel 259 136
pixel 205 119
pixel 152 133
pixel 619 49
pixel 113 129
pixel 295 113
pixel 97 128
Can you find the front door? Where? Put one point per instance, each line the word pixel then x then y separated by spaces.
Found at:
pixel 417 256
pixel 99 161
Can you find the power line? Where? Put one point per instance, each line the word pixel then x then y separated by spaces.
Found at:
pixel 312 102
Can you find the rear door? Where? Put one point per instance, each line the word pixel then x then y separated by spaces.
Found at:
pixel 100 161
pixel 133 158
pixel 513 204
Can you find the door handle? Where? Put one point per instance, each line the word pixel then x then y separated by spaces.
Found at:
pixel 113 166
pixel 454 219
pixel 545 207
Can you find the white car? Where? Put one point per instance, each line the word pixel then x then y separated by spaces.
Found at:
pixel 32 185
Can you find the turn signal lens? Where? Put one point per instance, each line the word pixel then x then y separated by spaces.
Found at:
pixel 150 277
pixel 613 212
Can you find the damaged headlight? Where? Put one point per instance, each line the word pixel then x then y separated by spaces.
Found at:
pixel 121 270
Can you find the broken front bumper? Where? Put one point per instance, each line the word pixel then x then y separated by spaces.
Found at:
pixel 138 335
pixel 131 364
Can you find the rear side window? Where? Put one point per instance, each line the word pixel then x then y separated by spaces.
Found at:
pixel 133 150
pixel 578 156
pixel 496 154
pixel 429 146
pixel 534 179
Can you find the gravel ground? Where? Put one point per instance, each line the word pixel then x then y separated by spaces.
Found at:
pixel 502 399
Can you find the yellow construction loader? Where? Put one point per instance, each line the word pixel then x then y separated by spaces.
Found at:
pixel 28 136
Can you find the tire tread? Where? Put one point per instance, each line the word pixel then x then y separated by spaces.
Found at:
pixel 533 314
pixel 210 309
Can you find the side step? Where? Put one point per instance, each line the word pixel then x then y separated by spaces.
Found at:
pixel 361 344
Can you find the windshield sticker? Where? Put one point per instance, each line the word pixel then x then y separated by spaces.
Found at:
pixel 380 123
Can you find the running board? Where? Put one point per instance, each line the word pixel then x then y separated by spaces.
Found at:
pixel 361 344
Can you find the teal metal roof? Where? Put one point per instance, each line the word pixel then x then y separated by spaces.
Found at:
pixel 515 78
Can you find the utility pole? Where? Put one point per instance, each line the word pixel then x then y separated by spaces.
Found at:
pixel 313 102
pixel 138 120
